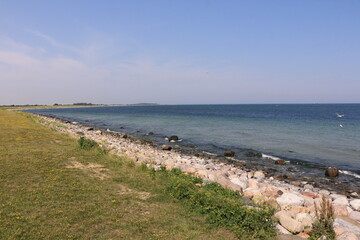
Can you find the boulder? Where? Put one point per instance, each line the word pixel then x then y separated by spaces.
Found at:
pixel 252 183
pixel 281 229
pixel 90 129
pixel 355 204
pixel 189 170
pixel 290 199
pixel 332 172
pixel 289 223
pixel 225 182
pixel 309 194
pixel 340 210
pixel 259 175
pixel 303 235
pixel 201 174
pixel 289 237
pixel 166 147
pixel 229 153
pixel 341 201
pixel 280 162
pixel 151 133
pixel 238 181
pixel 305 219
pixel 336 196
pixel 348 224
pixel 173 138
pixel 355 215
pixel 251 193
pixel 347 236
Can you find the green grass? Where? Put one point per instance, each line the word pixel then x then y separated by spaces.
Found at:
pixel 51 188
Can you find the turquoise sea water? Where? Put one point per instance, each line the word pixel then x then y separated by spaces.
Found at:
pixel 304 134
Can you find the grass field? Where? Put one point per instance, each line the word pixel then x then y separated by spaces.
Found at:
pixel 50 188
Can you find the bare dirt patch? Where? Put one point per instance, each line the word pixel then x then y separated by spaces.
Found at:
pixel 93 169
pixel 141 195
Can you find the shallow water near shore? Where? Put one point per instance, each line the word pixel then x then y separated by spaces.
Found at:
pixel 309 136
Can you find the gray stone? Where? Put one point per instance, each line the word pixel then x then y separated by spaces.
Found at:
pixel 290 199
pixel 347 236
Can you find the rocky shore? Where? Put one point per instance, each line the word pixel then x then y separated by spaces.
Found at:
pixel 295 202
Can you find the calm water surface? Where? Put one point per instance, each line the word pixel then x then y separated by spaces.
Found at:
pixel 311 134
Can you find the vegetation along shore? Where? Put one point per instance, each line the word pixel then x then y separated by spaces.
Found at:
pixel 105 185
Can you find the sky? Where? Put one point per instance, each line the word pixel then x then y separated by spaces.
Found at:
pixel 179 52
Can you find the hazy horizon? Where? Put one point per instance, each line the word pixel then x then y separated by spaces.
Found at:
pixel 181 52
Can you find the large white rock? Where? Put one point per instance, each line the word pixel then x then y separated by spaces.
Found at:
pixel 290 199
pixel 336 196
pixel 239 182
pixel 355 204
pixel 305 219
pixel 341 201
pixel 289 223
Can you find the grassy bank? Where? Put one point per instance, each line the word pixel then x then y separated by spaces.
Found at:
pixel 51 188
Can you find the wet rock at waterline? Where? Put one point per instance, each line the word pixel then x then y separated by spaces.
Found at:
pixel 173 138
pixel 229 153
pixel 280 162
pixel 332 172
pixel 166 147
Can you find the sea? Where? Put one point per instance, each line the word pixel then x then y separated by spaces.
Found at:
pixel 309 137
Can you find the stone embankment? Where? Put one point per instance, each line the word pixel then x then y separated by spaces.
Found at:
pixel 295 203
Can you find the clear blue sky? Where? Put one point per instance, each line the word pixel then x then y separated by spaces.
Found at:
pixel 179 51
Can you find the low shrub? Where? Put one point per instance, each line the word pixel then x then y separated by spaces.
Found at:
pixel 223 207
pixel 87 144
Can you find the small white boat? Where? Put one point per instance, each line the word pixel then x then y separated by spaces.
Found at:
pixel 340 115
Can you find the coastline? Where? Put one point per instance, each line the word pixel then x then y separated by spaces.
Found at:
pixel 296 200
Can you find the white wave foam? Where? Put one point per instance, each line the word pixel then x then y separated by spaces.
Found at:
pixel 270 157
pixel 209 153
pixel 350 173
pixel 231 158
